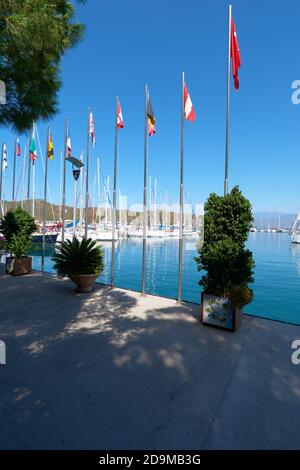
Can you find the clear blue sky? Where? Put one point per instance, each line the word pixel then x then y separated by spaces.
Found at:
pixel 131 43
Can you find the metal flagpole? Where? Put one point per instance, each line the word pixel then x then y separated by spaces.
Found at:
pixel 64 181
pixel 33 182
pixel 99 191
pixel 14 175
pixel 1 179
pixel 228 104
pixel 179 300
pixel 23 177
pixel 75 207
pixel 45 199
pixel 60 184
pixel 29 169
pixel 87 177
pixel 145 195
pixel 81 195
pixel 114 221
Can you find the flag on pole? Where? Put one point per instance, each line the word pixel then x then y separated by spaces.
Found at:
pixel 235 56
pixel 69 148
pixel 5 162
pixel 18 147
pixel 50 151
pixel 92 129
pixel 189 111
pixel 120 122
pixel 32 149
pixel 151 117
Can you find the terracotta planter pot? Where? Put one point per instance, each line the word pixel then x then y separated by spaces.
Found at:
pixel 219 313
pixel 84 282
pixel 19 266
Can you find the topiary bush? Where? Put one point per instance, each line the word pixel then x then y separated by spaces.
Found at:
pixel 228 265
pixel 15 222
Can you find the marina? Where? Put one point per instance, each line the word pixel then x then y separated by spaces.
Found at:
pixel 149 232
pixel 277 272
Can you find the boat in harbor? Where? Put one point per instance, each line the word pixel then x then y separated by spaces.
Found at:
pixel 50 238
pixel 295 236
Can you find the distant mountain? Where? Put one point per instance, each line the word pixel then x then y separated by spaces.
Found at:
pixel 273 219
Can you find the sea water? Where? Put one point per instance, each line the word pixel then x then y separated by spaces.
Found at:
pixel 277 272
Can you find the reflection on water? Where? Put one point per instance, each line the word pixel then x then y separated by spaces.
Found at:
pixel 277 272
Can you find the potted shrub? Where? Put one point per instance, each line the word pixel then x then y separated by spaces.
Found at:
pixel 81 261
pixel 19 263
pixel 17 226
pixel 227 264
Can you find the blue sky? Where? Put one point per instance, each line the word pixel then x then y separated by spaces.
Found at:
pixel 130 44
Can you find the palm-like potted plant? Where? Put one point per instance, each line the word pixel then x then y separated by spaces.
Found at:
pixel 17 227
pixel 227 264
pixel 81 261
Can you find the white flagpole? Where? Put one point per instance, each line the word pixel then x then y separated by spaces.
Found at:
pixel 145 195
pixel 1 181
pixel 64 180
pixel 99 191
pixel 33 182
pixel 87 177
pixel 23 177
pixel 60 185
pixel 114 221
pixel 45 199
pixel 228 103
pixel 180 254
pixel 81 195
pixel 14 175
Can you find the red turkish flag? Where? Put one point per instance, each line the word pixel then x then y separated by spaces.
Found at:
pixel 235 56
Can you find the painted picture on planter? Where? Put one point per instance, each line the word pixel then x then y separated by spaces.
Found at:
pixel 217 311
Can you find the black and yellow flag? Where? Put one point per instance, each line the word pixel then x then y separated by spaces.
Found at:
pixel 50 148
pixel 151 117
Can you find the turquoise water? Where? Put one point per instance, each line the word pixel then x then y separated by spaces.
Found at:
pixel 277 272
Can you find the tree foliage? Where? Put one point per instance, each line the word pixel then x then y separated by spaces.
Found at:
pixel 17 222
pixel 228 265
pixel 34 35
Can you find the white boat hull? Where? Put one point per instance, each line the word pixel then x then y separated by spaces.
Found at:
pixel 295 238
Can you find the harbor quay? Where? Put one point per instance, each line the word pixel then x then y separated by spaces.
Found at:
pixel 117 370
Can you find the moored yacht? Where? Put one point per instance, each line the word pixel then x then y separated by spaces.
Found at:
pixel 295 237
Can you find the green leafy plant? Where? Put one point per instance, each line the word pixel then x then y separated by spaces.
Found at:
pixel 34 36
pixel 75 257
pixel 19 245
pixel 228 265
pixel 15 222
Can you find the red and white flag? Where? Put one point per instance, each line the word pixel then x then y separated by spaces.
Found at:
pixel 189 111
pixel 120 122
pixel 92 129
pixel 69 148
pixel 235 56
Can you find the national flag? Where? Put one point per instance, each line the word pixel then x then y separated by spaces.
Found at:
pixel 18 148
pixel 189 111
pixel 69 147
pixel 4 158
pixel 50 151
pixel 235 55
pixel 120 122
pixel 32 149
pixel 92 129
pixel 151 117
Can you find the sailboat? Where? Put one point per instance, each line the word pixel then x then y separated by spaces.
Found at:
pixel 295 237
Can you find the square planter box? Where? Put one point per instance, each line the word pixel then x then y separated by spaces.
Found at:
pixel 20 266
pixel 218 312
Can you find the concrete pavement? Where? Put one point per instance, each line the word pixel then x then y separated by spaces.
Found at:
pixel 113 370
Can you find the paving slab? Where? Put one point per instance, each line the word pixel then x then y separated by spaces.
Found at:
pixel 114 370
